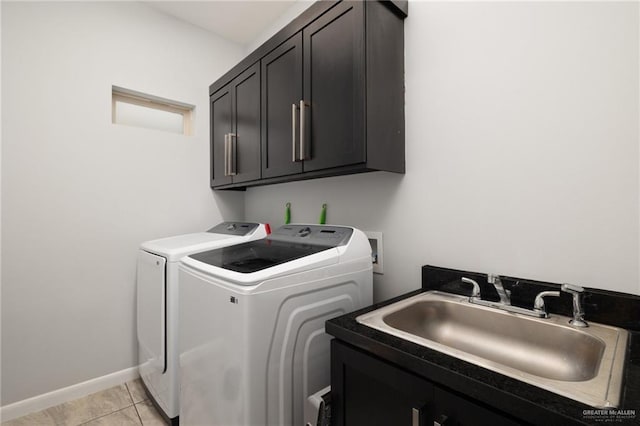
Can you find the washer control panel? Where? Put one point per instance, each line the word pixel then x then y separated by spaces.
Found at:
pixel 325 235
pixel 234 228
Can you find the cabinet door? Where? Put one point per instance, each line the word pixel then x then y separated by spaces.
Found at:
pixel 334 88
pixel 456 410
pixel 245 138
pixel 281 91
pixel 221 125
pixel 368 391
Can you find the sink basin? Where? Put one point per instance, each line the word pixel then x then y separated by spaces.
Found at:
pixel 553 352
pixel 583 364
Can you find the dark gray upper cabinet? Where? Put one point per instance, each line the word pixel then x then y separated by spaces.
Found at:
pixel 334 89
pixel 221 127
pixel 235 130
pixel 331 96
pixel 281 95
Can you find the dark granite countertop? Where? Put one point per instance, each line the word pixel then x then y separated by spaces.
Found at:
pixel 524 401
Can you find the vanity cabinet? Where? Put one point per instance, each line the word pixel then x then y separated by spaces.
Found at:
pixel 235 130
pixel 366 390
pixel 331 92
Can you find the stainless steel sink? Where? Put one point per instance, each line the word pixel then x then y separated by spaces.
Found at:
pixel 583 364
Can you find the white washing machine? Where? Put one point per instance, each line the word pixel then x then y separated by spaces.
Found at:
pixel 157 300
pixel 252 340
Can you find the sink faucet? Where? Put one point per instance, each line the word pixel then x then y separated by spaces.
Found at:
pixel 578 312
pixel 538 304
pixel 505 297
pixel 475 293
pixel 538 311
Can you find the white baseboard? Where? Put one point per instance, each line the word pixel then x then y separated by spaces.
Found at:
pixel 59 396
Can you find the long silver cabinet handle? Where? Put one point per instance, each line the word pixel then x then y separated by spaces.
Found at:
pixel 229 156
pixel 233 154
pixel 226 154
pixel 294 109
pixel 415 417
pixel 303 144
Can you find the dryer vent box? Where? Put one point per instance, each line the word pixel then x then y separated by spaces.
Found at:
pixel 375 240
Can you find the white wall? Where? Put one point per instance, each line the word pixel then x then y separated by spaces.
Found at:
pixel 296 8
pixel 78 193
pixel 522 135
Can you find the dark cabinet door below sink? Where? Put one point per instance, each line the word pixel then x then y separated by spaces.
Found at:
pixel 450 408
pixel 366 390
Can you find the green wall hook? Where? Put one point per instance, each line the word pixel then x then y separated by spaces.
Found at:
pixel 287 213
pixel 323 215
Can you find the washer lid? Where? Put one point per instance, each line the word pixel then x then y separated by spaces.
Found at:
pixel 174 248
pixel 287 243
pixel 257 255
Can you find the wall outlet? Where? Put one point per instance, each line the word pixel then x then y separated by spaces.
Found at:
pixel 375 239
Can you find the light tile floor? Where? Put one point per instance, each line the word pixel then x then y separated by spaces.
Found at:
pixel 123 405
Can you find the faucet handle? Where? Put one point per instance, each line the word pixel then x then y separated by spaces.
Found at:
pixel 570 288
pixel 476 288
pixel 538 304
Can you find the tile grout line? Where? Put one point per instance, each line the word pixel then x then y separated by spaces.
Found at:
pixel 108 414
pixel 135 407
pixel 114 411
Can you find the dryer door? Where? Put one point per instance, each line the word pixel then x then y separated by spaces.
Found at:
pixel 151 283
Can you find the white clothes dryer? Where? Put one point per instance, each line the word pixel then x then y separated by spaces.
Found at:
pixel 252 316
pixel 157 305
